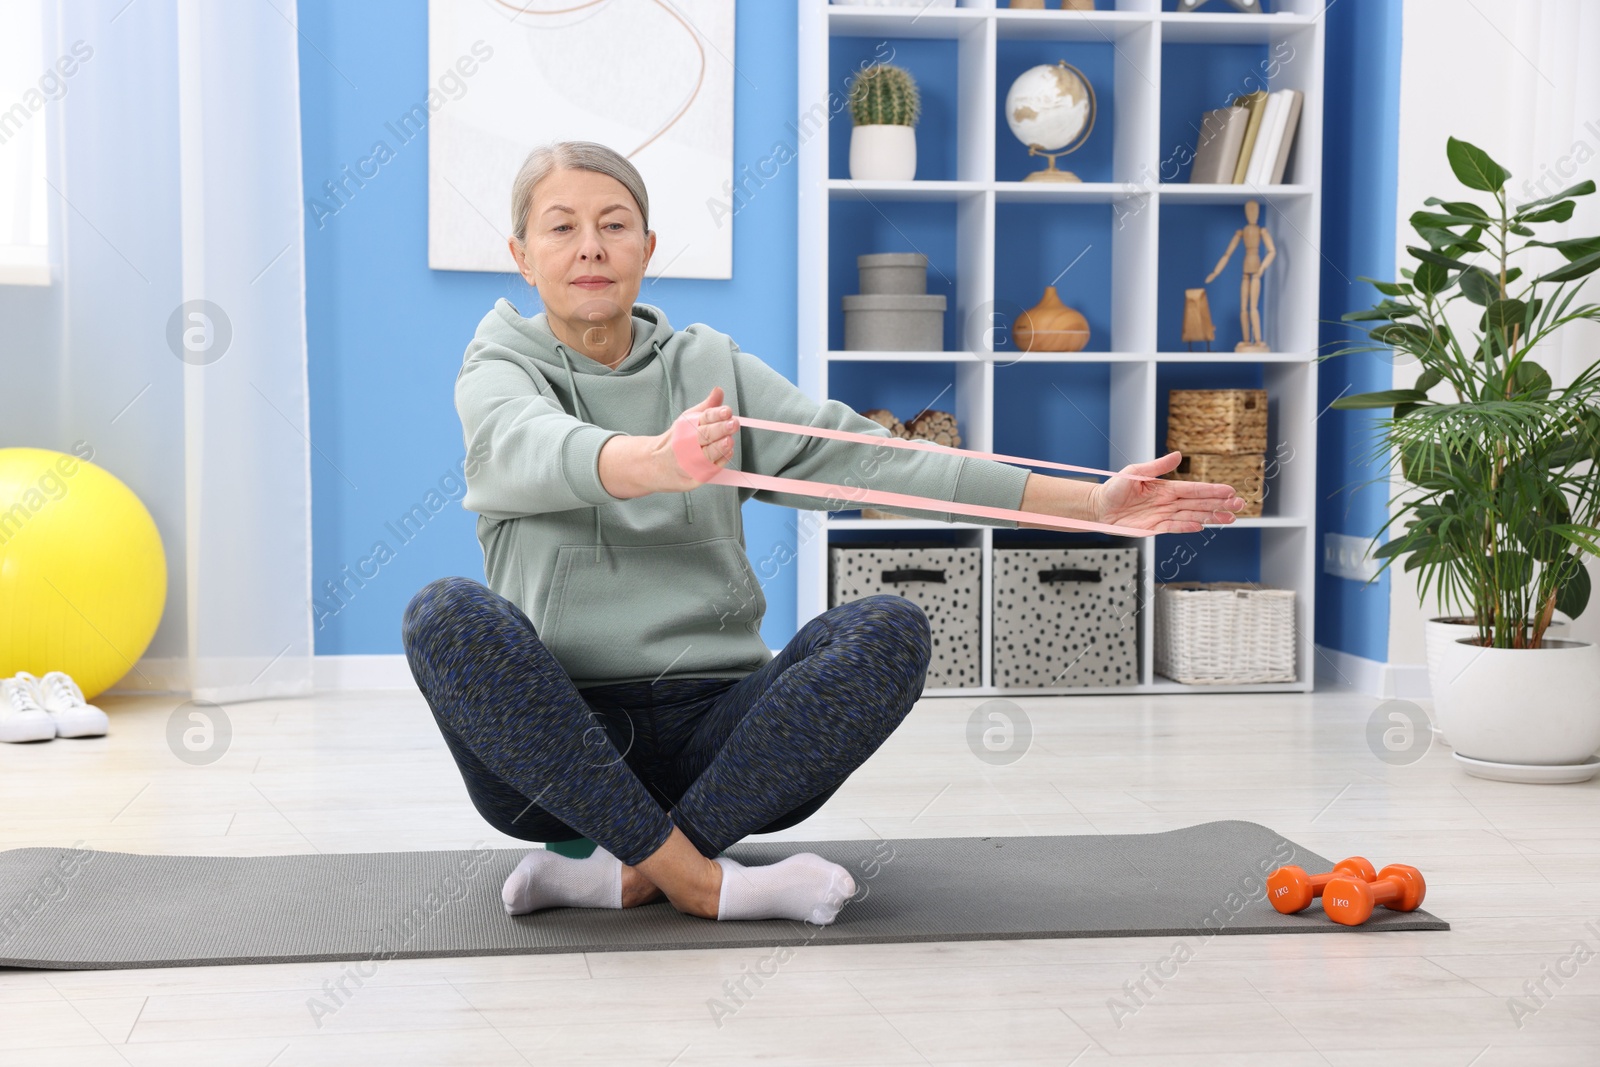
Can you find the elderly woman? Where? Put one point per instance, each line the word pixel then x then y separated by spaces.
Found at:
pixel 643 710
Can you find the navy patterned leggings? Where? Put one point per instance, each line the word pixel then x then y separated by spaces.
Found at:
pixel 720 758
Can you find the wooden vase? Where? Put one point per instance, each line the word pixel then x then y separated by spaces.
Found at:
pixel 1051 326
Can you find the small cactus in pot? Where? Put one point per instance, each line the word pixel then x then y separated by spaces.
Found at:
pixel 885 105
pixel 885 95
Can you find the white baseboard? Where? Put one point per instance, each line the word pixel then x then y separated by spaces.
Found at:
pixel 219 680
pixel 170 674
pixel 1334 670
pixel 1407 681
pixel 1386 681
pixel 154 674
pixel 361 672
pixel 222 680
pixel 332 673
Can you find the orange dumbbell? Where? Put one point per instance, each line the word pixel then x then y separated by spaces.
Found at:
pixel 1350 901
pixel 1291 889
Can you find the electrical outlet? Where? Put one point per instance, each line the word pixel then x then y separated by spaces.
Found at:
pixel 1344 556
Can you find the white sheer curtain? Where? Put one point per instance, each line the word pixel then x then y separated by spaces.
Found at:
pixel 180 354
pixel 1519 80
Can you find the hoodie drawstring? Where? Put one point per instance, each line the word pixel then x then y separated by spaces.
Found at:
pixel 582 412
pixel 672 413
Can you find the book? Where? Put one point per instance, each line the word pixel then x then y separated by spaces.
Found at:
pixel 1221 134
pixel 1261 155
pixel 1291 121
pixel 1256 103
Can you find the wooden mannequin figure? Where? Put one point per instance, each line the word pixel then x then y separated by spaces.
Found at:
pixel 1254 237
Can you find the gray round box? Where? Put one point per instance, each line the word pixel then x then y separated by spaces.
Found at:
pixel 894 323
pixel 893 273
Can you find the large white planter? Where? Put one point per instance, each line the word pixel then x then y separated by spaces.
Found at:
pixel 883 153
pixel 1438 635
pixel 1524 706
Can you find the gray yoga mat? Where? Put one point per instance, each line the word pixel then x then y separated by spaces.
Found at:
pixel 81 909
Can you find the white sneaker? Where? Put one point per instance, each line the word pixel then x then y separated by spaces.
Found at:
pixel 22 718
pixel 63 701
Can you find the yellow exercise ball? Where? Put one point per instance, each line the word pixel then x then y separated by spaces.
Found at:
pixel 83 578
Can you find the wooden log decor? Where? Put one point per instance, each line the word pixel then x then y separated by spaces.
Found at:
pixel 885 418
pixel 936 426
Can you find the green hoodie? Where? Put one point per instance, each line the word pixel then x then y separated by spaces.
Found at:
pixel 626 590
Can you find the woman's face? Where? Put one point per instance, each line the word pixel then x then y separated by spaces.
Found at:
pixel 586 248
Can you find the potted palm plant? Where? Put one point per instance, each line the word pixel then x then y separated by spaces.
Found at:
pixel 1502 495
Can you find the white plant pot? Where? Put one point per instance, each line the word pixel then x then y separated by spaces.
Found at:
pixel 886 153
pixel 1524 706
pixel 1438 635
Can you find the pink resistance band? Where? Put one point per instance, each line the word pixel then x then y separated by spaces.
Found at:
pixel 686 446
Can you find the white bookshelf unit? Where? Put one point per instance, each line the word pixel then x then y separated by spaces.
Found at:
pixel 1135 197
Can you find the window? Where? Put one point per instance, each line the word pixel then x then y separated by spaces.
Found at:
pixel 27 86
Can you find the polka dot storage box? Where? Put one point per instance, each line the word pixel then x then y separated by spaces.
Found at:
pixel 1066 617
pixel 943 581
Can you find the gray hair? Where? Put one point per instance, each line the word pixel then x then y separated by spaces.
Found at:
pixel 571 155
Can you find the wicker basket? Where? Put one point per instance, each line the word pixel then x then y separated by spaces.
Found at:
pixel 1247 474
pixel 1222 422
pixel 1224 633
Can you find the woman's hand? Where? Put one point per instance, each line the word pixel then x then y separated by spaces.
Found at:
pixel 1165 506
pixel 717 426
pixel 634 466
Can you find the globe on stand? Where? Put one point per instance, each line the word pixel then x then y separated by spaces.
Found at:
pixel 1051 110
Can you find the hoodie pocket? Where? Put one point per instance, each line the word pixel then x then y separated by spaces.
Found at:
pixel 643 609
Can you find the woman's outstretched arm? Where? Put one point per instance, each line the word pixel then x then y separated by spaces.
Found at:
pixel 1163 505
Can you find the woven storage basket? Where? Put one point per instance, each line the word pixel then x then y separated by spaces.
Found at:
pixel 1219 633
pixel 1246 473
pixel 1222 422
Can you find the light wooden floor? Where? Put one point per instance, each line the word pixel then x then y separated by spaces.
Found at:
pixel 1515 869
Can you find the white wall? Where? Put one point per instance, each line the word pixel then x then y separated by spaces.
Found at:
pixel 1520 81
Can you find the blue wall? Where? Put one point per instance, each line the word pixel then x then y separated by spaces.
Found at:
pixel 1360 162
pixel 387 334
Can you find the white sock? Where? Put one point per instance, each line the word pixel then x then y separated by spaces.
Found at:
pixel 805 887
pixel 547 880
